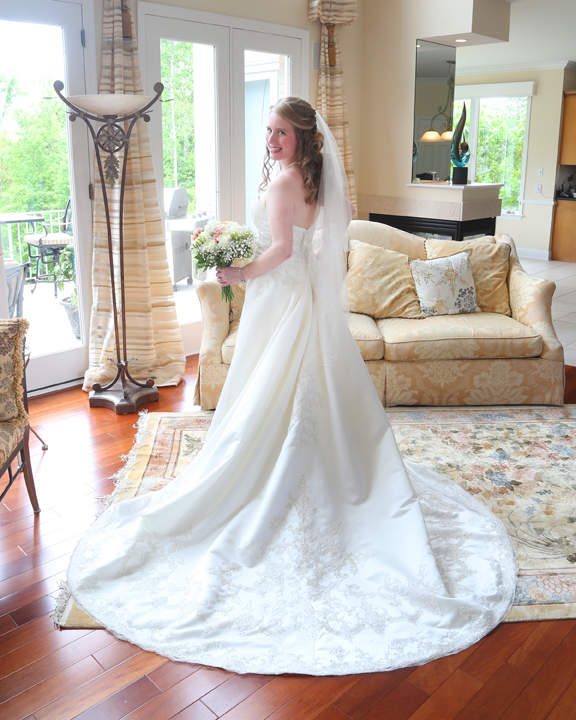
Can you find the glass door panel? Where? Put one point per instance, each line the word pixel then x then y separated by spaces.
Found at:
pixel 189 122
pixel 190 139
pixel 44 259
pixel 266 80
pixel 189 157
pixel 266 67
pixel 191 135
pixel 35 178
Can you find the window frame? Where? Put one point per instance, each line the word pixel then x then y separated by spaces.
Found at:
pixel 475 94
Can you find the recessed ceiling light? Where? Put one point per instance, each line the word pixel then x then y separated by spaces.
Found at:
pixel 461 40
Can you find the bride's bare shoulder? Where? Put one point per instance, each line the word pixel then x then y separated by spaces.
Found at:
pixel 285 188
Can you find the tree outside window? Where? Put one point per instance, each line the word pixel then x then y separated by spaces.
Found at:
pixel 176 62
pixel 496 132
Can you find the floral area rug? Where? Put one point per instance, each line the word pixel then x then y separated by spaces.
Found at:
pixel 521 462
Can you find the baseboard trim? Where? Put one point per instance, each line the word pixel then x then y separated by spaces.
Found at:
pixel 533 254
pixel 54 388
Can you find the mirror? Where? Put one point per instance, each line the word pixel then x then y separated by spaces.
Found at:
pixel 433 111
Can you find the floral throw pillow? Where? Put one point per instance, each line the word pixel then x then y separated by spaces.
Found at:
pixel 445 286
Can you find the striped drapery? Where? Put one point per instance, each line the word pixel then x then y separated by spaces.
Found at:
pixel 331 100
pixel 154 342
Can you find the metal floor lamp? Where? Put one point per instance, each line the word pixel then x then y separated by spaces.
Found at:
pixel 124 394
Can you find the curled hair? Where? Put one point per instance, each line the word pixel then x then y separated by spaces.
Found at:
pixel 302 116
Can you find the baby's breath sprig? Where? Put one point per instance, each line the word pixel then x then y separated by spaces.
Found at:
pixel 219 244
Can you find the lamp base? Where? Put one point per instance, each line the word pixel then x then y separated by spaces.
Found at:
pixel 460 176
pixel 113 398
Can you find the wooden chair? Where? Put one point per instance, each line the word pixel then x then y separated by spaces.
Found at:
pixel 14 423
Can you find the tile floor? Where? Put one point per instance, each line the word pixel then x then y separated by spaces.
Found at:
pixel 563 302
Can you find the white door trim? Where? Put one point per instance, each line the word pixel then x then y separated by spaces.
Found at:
pixel 72 15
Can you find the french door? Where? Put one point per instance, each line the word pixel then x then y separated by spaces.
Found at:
pixel 238 68
pixel 45 160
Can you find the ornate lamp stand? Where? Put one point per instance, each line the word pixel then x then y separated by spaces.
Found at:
pixel 123 394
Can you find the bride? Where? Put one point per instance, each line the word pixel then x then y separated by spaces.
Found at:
pixel 298 541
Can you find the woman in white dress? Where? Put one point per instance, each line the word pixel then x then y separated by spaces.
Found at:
pixel 298 541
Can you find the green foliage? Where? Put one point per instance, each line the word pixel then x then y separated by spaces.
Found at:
pixel 500 144
pixel 66 272
pixel 176 59
pixel 33 150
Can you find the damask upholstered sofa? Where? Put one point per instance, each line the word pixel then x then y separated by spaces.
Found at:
pixel 507 353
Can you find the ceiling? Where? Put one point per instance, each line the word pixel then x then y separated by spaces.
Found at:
pixel 542 36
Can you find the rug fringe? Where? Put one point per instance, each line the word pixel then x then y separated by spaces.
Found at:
pixel 119 478
pixel 61 602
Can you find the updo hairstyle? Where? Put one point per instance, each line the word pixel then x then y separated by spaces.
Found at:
pixel 302 116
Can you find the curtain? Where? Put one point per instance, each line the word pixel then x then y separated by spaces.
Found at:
pixel 154 342
pixel 331 100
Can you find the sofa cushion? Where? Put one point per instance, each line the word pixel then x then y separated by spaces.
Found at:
pixel 363 329
pixel 11 433
pixel 367 336
pixel 387 237
pixel 445 286
pixel 458 337
pixel 12 334
pixel 490 265
pixel 380 283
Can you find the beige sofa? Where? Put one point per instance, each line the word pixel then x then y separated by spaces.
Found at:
pixel 483 358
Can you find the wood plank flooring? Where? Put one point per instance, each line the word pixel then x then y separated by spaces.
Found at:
pixel 522 671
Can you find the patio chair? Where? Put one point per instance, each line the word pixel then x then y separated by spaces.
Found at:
pixel 15 275
pixel 14 423
pixel 47 247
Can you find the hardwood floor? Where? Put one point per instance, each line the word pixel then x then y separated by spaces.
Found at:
pixel 521 671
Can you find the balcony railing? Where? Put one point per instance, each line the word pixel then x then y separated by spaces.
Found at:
pixel 16 248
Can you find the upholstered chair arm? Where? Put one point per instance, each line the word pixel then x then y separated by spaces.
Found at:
pixel 211 370
pixel 531 304
pixel 216 318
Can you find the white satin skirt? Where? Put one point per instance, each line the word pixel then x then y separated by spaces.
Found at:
pixel 298 541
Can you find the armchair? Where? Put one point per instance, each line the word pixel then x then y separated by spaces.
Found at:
pixel 14 425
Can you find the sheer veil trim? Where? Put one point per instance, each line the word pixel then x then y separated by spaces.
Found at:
pixel 333 215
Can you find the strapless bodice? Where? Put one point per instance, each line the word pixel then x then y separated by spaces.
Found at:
pixel 302 236
pixel 300 270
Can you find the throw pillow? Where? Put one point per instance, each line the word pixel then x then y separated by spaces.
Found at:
pixel 490 264
pixel 445 286
pixel 380 283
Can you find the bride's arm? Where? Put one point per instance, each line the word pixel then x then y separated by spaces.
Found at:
pixel 281 199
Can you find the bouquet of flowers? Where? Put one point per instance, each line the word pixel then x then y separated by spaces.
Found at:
pixel 219 244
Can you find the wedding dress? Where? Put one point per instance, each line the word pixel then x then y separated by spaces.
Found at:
pixel 298 541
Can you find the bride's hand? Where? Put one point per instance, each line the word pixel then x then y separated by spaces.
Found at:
pixel 228 276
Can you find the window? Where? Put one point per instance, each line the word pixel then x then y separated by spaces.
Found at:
pixel 497 132
pixel 220 74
